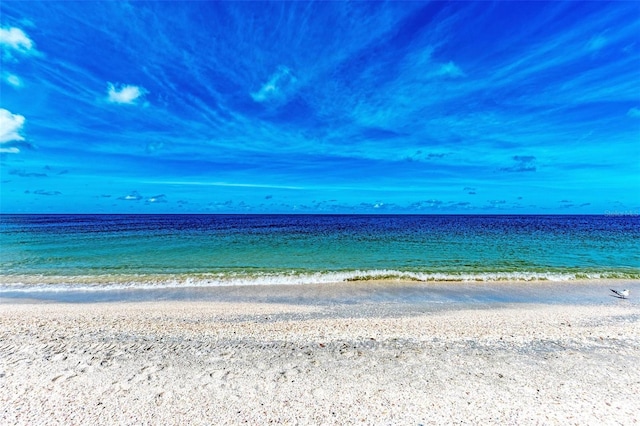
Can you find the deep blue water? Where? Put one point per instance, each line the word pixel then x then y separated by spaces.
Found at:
pixel 80 251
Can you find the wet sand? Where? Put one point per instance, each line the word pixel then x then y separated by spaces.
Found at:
pixel 387 358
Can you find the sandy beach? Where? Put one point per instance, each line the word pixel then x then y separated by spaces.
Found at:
pixel 224 362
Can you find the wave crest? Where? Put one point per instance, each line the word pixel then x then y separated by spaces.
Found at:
pixel 31 283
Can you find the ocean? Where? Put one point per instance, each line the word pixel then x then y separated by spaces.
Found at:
pixel 110 252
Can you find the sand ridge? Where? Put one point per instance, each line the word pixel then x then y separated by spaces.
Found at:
pixel 233 363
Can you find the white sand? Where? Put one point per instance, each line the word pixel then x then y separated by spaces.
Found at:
pixel 225 363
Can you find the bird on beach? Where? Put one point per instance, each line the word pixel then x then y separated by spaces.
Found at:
pixel 621 294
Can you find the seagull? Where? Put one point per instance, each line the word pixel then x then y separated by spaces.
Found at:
pixel 621 294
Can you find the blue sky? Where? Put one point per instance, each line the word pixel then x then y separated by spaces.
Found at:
pixel 326 107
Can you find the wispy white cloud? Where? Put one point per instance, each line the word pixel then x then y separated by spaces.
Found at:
pixel 524 163
pixel 134 196
pixel 154 146
pixel 596 43
pixel 14 39
pixel 10 128
pixel 157 199
pixel 634 112
pixel 11 150
pixel 450 70
pixel 12 80
pixel 124 94
pixel 280 83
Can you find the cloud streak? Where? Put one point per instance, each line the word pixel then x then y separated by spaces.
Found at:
pixel 23 173
pixel 12 80
pixel 524 163
pixel 281 83
pixel 226 184
pixel 157 199
pixel 133 196
pixel 47 193
pixel 633 112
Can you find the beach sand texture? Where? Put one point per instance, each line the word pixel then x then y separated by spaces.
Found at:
pixel 258 363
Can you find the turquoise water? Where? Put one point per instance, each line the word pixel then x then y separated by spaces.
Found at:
pixel 114 251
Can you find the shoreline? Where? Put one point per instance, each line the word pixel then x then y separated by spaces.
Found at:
pixel 215 362
pixel 588 291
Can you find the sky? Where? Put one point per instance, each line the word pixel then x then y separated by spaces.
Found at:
pixel 320 107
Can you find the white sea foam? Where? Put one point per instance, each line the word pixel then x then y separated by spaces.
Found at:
pixel 40 283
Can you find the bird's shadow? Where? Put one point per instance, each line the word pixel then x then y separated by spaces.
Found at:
pixel 618 297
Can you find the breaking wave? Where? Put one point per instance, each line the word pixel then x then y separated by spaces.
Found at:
pixel 110 282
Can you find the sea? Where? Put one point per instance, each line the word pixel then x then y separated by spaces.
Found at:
pixel 92 253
